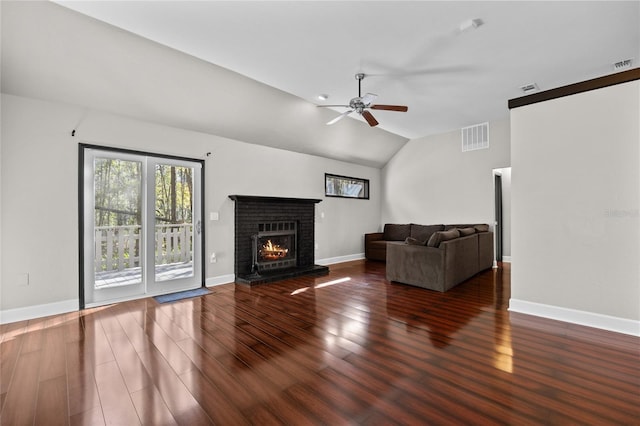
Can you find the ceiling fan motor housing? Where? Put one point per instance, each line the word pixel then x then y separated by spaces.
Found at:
pixel 357 105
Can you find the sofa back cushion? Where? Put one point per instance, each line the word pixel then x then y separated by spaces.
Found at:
pixel 450 227
pixel 394 232
pixel 483 227
pixel 440 236
pixel 480 227
pixel 466 231
pixel 424 232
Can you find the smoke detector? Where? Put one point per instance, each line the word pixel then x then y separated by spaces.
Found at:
pixel 622 65
pixel 470 24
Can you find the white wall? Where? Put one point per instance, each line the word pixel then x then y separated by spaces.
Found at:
pixel 39 180
pixel 430 180
pixel 575 205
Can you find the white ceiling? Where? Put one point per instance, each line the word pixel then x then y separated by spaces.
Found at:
pixel 413 53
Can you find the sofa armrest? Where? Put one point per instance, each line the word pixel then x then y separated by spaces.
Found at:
pixel 374 236
pixel 485 250
pixel 416 265
pixel 375 247
pixel 461 259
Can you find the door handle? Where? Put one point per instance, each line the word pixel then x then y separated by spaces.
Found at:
pixel 199 226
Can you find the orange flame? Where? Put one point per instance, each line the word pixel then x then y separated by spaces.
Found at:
pixel 273 251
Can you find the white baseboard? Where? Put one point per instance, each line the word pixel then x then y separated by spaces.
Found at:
pixel 506 259
pixel 39 311
pixel 340 259
pixel 589 319
pixel 219 280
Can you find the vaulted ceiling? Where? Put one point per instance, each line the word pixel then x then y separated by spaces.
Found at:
pixel 252 71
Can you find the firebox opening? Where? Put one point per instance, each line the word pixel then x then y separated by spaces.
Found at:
pixel 276 245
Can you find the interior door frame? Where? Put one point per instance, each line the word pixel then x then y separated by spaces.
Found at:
pixel 82 147
pixel 498 216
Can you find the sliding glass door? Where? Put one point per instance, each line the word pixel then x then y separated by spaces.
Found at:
pixel 141 226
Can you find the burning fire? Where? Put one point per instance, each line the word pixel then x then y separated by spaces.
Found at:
pixel 272 251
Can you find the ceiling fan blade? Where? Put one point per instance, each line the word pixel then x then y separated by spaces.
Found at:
pixel 400 108
pixel 340 117
pixel 368 98
pixel 370 119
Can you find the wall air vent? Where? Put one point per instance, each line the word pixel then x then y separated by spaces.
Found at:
pixel 622 65
pixel 529 88
pixel 475 137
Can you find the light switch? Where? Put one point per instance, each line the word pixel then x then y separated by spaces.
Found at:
pixel 214 216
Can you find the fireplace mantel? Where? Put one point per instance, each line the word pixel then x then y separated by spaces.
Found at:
pixel 253 211
pixel 262 199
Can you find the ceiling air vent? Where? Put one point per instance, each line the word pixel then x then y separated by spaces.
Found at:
pixel 529 88
pixel 475 137
pixel 622 65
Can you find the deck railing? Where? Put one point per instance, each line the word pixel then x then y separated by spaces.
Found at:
pixel 118 247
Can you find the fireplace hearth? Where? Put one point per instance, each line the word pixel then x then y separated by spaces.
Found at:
pixel 274 239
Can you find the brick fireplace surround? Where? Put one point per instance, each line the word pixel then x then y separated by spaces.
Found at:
pixel 250 212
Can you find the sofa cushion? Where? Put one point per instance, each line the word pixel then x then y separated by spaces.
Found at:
pixel 394 232
pixel 482 228
pixel 466 231
pixel 441 236
pixel 450 227
pixel 423 232
pixel 414 241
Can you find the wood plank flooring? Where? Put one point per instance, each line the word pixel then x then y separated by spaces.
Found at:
pixel 347 348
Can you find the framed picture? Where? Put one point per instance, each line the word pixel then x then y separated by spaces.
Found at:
pixel 346 187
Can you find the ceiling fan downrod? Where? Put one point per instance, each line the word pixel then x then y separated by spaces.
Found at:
pixel 359 77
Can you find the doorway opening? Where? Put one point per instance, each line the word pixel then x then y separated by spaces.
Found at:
pixel 140 224
pixel 502 214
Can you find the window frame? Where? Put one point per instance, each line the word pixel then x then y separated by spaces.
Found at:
pixel 365 183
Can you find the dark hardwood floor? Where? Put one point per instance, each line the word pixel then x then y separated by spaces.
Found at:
pixel 347 348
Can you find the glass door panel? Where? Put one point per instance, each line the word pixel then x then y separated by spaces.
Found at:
pixel 174 231
pixel 113 226
pixel 118 222
pixel 173 222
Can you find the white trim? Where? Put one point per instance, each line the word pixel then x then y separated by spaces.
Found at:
pixel 219 280
pixel 138 296
pixel 340 259
pixel 506 259
pixel 39 311
pixel 589 319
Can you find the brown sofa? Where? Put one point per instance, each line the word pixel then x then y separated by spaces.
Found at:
pixel 446 258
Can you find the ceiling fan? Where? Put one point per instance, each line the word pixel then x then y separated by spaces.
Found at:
pixel 362 103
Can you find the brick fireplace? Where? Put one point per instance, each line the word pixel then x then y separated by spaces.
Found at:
pixel 274 238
